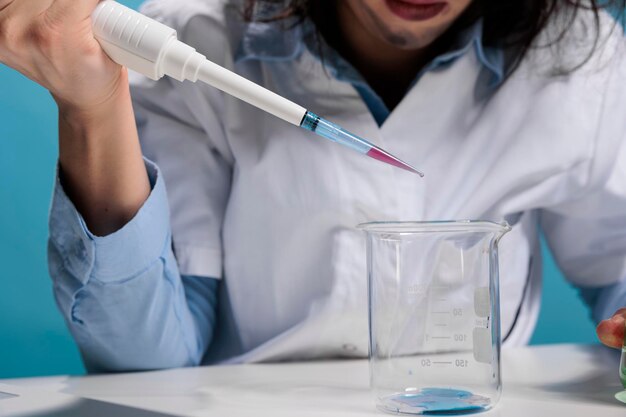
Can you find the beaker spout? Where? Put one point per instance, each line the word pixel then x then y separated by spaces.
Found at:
pixel 504 229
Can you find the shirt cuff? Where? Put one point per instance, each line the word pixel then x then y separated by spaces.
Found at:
pixel 604 301
pixel 610 299
pixel 121 255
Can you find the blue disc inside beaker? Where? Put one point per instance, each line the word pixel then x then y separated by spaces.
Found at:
pixel 436 401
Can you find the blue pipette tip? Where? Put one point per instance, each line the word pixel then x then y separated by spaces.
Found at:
pixel 336 133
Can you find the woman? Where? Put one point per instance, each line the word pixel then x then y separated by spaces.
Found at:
pixel 513 109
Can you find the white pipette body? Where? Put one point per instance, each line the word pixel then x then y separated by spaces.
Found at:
pixel 151 48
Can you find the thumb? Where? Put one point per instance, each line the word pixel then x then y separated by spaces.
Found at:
pixel 611 331
pixel 71 11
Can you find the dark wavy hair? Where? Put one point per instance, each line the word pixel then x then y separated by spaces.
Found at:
pixel 510 24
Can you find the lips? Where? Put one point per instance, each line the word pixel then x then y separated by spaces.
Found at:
pixel 416 9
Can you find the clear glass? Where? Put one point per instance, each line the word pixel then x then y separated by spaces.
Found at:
pixel 622 372
pixel 622 364
pixel 434 315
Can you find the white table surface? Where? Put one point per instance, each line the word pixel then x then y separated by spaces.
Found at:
pixel 553 380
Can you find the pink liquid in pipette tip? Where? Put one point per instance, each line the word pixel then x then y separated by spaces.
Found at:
pixel 390 159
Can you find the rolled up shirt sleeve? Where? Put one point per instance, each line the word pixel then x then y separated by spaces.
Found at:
pixel 604 301
pixel 122 295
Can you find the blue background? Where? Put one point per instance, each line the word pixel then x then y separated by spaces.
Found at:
pixel 33 336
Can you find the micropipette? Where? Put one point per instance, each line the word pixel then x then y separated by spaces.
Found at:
pixel 152 49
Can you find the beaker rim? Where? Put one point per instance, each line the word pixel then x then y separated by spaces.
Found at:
pixel 408 227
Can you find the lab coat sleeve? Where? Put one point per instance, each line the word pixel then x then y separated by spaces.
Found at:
pixel 194 168
pixel 588 240
pixel 122 295
pixel 182 129
pixel 588 235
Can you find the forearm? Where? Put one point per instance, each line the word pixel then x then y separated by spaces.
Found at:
pixel 100 160
pixel 52 43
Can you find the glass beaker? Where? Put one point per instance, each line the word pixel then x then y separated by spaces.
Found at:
pixel 434 315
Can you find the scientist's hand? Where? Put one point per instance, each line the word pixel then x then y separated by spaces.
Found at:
pixel 101 167
pixel 611 331
pixel 51 42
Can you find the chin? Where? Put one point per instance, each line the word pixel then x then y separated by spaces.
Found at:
pixel 410 39
pixel 402 33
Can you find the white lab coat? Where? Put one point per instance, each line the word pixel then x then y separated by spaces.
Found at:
pixel 271 208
